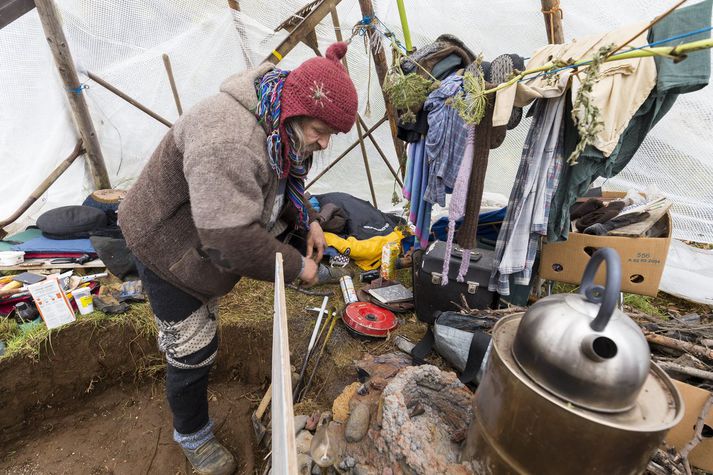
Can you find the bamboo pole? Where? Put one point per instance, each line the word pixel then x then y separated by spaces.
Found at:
pixel 367 10
pixel 345 152
pixel 404 25
pixel 128 99
pixel 553 21
pixel 677 52
pixel 49 16
pixel 172 81
pixel 44 186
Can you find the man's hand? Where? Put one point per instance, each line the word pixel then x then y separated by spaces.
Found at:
pixel 309 272
pixel 316 240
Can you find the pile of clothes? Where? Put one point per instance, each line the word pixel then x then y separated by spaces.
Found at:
pixel 631 95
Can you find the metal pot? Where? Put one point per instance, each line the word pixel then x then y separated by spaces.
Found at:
pixel 519 427
pixel 581 348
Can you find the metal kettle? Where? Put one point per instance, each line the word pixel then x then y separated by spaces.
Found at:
pixel 583 349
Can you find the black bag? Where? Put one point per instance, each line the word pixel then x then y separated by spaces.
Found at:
pixel 432 297
pixel 461 340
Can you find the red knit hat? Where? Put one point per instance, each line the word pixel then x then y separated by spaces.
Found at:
pixel 321 88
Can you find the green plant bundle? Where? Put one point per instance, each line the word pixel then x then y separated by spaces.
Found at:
pixel 585 114
pixel 407 92
pixel 471 103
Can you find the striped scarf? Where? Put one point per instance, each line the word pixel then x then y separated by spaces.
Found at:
pixel 283 156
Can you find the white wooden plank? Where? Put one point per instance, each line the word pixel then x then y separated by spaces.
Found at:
pixel 284 448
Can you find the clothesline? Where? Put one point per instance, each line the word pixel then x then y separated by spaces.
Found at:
pixel 656 43
pixel 673 51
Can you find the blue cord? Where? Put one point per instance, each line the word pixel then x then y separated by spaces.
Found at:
pixel 655 43
pixel 79 89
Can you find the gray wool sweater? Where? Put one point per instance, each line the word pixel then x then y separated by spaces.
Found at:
pixel 198 212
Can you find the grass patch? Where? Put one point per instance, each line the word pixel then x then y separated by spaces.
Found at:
pixel 643 303
pixel 29 339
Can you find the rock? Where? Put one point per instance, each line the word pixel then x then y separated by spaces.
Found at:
pixel 340 407
pixel 303 440
pixel 316 470
pixel 347 463
pixel 361 469
pixel 358 423
pixel 304 464
pixel 311 424
pixel 300 422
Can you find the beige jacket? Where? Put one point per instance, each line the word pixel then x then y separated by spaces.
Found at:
pixel 622 89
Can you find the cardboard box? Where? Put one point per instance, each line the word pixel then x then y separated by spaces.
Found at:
pixel 642 258
pixel 681 434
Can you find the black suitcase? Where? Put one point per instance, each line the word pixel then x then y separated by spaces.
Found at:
pixel 431 297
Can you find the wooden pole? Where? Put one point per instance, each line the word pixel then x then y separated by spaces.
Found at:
pixel 172 81
pixel 301 30
pixel 367 10
pixel 344 153
pixel 128 99
pixel 49 16
pixel 553 21
pixel 44 186
pixel 338 33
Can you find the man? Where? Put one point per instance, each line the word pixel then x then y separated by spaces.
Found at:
pixel 213 204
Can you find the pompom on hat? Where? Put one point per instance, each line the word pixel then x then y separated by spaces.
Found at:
pixel 322 89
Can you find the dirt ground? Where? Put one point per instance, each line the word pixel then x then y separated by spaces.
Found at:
pixel 92 400
pixel 127 430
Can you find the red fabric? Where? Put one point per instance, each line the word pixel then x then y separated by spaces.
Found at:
pixel 322 89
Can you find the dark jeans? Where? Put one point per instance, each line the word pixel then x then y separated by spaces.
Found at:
pixel 187 388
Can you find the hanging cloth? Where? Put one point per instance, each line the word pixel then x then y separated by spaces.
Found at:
pixel 529 205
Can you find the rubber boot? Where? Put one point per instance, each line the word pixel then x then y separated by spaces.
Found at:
pixel 211 458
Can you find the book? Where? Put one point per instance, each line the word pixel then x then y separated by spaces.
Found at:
pixel 392 294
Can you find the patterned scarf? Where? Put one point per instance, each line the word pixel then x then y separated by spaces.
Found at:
pixel 284 159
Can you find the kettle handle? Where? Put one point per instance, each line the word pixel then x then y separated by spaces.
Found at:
pixel 608 295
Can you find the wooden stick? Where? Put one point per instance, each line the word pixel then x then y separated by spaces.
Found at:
pixel 687 370
pixel 301 30
pixel 553 21
pixel 128 99
pixel 345 152
pixel 172 81
pixel 49 16
pixel 651 23
pixel 381 153
pixel 695 350
pixel 367 10
pixel 44 186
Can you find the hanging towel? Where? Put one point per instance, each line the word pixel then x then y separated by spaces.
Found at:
pixel 529 205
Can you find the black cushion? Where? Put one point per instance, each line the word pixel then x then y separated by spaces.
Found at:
pixel 71 222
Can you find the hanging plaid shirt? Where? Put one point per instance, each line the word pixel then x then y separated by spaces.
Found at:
pixel 445 141
pixel 529 205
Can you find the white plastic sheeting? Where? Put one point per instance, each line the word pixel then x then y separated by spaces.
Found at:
pixel 688 273
pixel 122 41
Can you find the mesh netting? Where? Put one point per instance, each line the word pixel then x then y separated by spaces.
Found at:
pixel 122 42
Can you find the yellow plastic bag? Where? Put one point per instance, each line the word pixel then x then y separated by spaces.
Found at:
pixel 366 253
